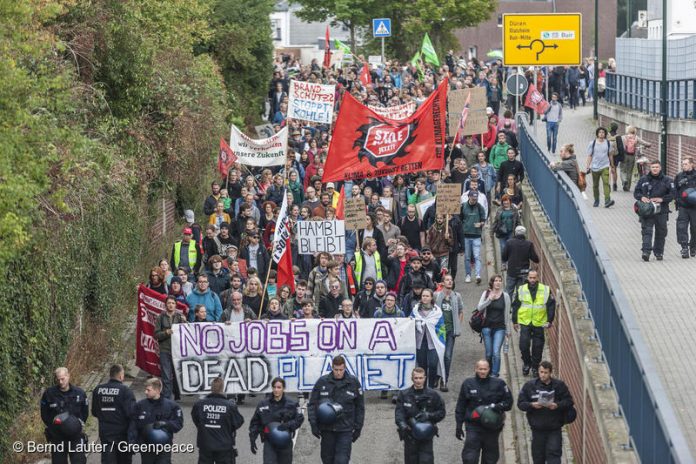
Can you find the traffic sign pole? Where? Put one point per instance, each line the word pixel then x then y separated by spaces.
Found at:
pixel 382 50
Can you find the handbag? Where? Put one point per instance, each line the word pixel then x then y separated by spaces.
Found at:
pixel 477 320
pixel 582 181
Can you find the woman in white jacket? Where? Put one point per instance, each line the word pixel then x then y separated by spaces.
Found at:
pixel 496 304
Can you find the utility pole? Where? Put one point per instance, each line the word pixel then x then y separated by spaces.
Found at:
pixel 629 20
pixel 595 90
pixel 663 91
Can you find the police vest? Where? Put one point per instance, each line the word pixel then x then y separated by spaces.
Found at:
pixel 533 311
pixel 192 254
pixel 359 265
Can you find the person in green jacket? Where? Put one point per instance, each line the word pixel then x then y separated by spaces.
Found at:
pixel 499 151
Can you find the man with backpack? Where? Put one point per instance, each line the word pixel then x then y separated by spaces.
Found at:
pixel 631 144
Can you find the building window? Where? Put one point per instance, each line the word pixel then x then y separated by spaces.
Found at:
pixel 275 27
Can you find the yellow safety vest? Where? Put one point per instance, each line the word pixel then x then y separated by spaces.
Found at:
pixel 191 254
pixel 359 265
pixel 532 311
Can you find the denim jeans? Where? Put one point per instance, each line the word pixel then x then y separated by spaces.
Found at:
pixel 493 341
pixel 472 248
pixel 551 136
pixel 449 349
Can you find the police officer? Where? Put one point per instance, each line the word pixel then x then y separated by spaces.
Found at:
pixel 157 419
pixel 657 188
pixel 481 405
pixel 533 310
pixel 112 405
pixel 337 412
pixel 546 401
pixel 64 409
pixel 275 412
pixel 217 420
pixel 685 185
pixel 418 409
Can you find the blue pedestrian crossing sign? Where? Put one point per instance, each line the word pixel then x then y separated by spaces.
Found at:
pixel 381 27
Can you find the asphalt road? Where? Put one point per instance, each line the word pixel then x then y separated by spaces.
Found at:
pixel 379 442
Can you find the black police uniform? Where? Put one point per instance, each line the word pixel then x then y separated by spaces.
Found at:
pixel 424 405
pixel 659 186
pixel 164 414
pixel 73 401
pixel 284 411
pixel 217 420
pixel 477 392
pixel 112 405
pixel 686 213
pixel 546 424
pixel 337 438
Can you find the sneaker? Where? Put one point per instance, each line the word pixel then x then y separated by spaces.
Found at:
pixel 478 279
pixel 468 279
pixel 526 369
pixel 383 395
pixel 626 188
pixel 596 203
pixel 394 398
pixel 646 257
pixel 685 253
pixel 609 203
pixel 693 252
pixel 658 257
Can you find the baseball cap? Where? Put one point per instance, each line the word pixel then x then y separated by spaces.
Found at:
pixel 188 215
pixel 489 110
pixel 473 194
pixel 187 231
pixel 424 249
pixel 330 185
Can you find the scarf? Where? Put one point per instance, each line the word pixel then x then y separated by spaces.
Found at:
pixel 434 323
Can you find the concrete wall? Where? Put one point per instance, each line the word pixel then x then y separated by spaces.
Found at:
pixel 488 35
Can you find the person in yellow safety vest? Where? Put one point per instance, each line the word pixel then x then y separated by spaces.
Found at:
pixel 533 310
pixel 185 253
pixel 333 194
pixel 368 263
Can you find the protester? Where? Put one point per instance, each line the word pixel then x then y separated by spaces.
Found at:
pixel 430 338
pixel 163 333
pixel 599 161
pixel 452 306
pixel 496 306
pixel 553 116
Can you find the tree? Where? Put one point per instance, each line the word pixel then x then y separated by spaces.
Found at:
pixel 353 14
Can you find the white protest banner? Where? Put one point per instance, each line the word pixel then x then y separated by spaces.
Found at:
pixel 397 113
pixel 316 236
pixel 311 102
pixel 261 152
pixel 380 352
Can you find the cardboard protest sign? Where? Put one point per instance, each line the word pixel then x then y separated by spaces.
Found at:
pixel 387 203
pixel 311 102
pixel 448 198
pixel 248 355
pixel 355 213
pixel 423 206
pixel 477 120
pixel 316 236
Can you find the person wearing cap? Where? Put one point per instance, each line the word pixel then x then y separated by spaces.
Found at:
pixel 212 200
pixel 415 271
pixel 333 194
pixel 518 253
pixel 473 220
pixel 413 297
pixel 481 197
pixel 185 253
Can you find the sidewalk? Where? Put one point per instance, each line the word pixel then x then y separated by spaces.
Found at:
pixel 661 293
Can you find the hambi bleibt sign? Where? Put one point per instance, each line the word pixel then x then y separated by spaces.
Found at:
pixel 311 102
pixel 248 355
pixel 316 236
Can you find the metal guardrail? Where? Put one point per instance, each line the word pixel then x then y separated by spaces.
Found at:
pixel 653 424
pixel 644 95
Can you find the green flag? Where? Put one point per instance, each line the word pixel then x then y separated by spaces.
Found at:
pixel 428 51
pixel 416 62
pixel 338 45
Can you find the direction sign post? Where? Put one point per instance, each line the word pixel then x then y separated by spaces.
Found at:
pixel 516 85
pixel 553 39
pixel 381 27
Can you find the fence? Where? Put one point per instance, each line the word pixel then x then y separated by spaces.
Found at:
pixel 653 425
pixel 644 95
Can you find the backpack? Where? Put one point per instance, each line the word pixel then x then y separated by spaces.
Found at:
pixel 629 144
pixel 478 319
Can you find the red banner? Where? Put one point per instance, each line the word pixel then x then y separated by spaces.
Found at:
pixel 226 158
pixel 150 306
pixel 365 144
pixel 535 100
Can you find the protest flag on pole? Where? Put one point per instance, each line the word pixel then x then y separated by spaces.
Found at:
pixel 463 117
pixel 226 158
pixel 338 45
pixel 341 207
pixel 365 76
pixel 327 50
pixel 282 255
pixel 428 51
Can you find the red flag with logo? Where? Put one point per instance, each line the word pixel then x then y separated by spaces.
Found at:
pixel 365 76
pixel 282 254
pixel 535 100
pixel 327 50
pixel 365 144
pixel 150 305
pixel 226 158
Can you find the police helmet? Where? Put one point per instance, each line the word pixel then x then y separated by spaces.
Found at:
pixel 328 412
pixel 422 431
pixel 276 437
pixel 67 425
pixel 156 436
pixel 689 196
pixel 489 418
pixel 646 209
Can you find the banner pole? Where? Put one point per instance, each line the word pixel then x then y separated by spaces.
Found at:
pixel 265 284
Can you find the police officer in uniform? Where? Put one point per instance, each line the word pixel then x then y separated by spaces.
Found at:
pixel 154 416
pixel 416 407
pixel 337 412
pixel 657 188
pixel 685 184
pixel 217 420
pixel 275 412
pixel 546 401
pixel 112 405
pixel 533 311
pixel 64 409
pixel 481 405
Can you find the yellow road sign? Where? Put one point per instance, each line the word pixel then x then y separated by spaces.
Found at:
pixel 542 39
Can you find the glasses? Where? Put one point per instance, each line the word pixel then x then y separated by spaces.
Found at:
pixel 203 282
pixel 427 253
pixel 368 283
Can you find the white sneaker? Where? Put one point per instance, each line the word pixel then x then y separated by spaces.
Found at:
pixel 468 279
